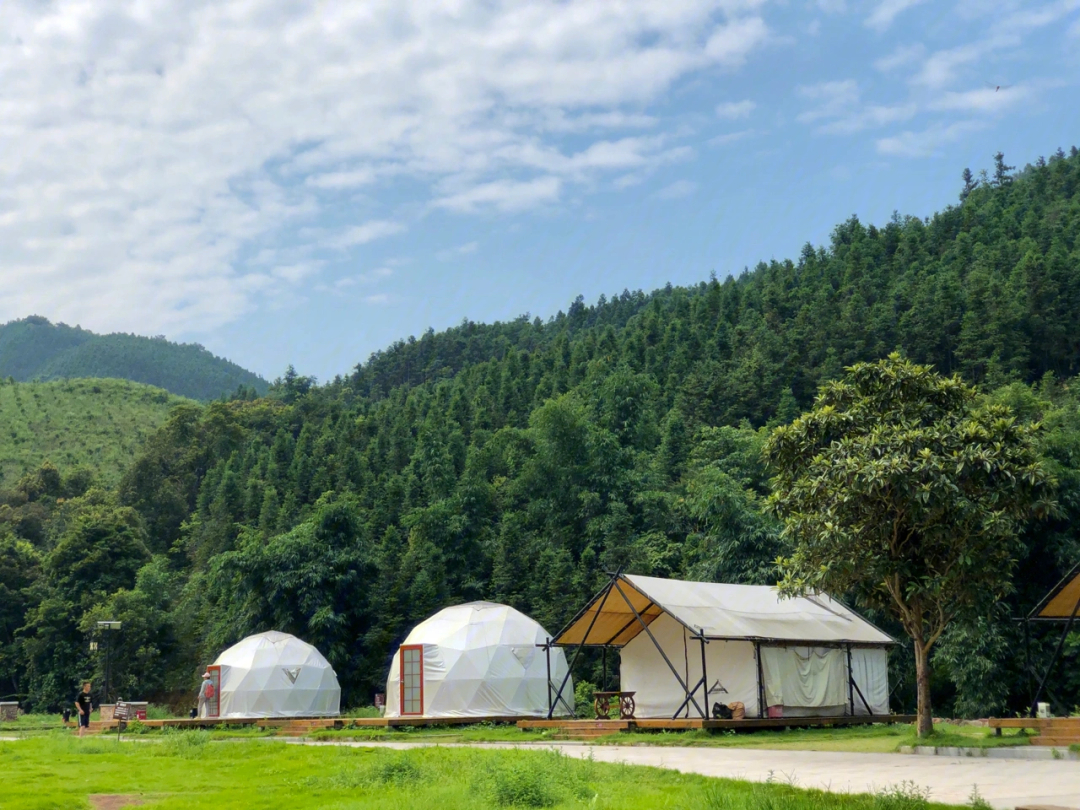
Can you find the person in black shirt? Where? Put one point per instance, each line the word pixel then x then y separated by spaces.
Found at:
pixel 83 707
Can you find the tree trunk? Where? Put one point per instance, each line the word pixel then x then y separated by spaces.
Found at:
pixel 925 722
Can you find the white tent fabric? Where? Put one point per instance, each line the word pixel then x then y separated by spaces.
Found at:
pixel 481 660
pixel 757 611
pixel 729 665
pixel 870 668
pixel 276 675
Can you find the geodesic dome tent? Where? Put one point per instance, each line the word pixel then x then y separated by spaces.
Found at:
pixel 275 675
pixel 479 659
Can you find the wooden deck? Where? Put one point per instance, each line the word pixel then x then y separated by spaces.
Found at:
pixel 582 729
pixel 688 724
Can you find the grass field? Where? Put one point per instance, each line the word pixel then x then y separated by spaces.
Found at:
pixel 93 422
pixel 188 770
pixel 881 739
pixel 876 739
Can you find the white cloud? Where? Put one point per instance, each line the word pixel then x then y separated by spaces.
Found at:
pixel 982 100
pixel 504 195
pixel 362 234
pixel 680 188
pixel 887 11
pixel 927 142
pixel 730 137
pixel 831 99
pixel 148 149
pixel 904 55
pixel 378 298
pixel 941 67
pixel 733 110
pixel 832 6
pixel 454 252
pixel 814 28
pixel 874 115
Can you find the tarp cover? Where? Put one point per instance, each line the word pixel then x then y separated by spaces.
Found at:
pixel 720 611
pixel 481 660
pixel 277 675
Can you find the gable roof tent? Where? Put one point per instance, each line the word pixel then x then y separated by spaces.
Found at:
pixel 715 611
pixel 1062 604
pixel 629 604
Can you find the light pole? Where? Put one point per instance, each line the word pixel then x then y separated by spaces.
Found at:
pixel 107 626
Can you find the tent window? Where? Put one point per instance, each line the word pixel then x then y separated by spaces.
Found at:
pixel 412 679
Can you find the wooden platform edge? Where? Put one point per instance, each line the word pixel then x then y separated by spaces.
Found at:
pixel 687 724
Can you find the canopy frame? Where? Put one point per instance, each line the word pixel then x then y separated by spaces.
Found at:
pixel 1037 614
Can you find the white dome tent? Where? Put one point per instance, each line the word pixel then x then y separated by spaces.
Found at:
pixel 479 659
pixel 274 675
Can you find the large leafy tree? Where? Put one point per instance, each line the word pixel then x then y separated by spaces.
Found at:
pixel 901 488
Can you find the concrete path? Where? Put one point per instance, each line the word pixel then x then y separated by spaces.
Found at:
pixel 1003 783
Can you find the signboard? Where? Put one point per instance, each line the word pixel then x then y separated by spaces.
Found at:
pixel 123 711
pixel 380 701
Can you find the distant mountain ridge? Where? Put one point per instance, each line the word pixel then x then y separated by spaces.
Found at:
pixel 35 349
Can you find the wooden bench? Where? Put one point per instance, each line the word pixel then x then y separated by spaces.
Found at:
pixel 602 704
pixel 998 723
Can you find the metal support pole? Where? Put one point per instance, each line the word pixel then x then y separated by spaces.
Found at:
pixel 659 649
pixel 577 652
pixel 107 651
pixel 850 682
pixel 1054 658
pixel 603 680
pixel 547 655
pixel 760 681
pixel 704 674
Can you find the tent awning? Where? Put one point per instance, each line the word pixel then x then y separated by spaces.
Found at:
pixel 1062 602
pixel 716 611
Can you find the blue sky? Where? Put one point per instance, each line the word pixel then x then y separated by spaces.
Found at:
pixel 298 182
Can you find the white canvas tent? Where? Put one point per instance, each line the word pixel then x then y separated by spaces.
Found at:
pixel 479 659
pixel 275 675
pixel 685 646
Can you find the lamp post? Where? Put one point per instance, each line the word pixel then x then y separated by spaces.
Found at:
pixel 107 626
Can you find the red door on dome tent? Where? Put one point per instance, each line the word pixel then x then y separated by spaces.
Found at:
pixel 213 700
pixel 411 663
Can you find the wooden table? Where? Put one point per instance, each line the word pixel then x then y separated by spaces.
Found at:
pixel 602 704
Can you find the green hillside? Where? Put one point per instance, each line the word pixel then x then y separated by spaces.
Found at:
pixel 100 424
pixel 518 462
pixel 35 349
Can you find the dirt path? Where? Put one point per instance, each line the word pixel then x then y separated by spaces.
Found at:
pixel 1004 783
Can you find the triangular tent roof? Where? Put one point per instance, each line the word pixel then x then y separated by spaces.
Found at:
pixel 1062 602
pixel 717 611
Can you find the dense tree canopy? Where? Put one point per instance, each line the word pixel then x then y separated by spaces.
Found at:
pixel 897 489
pixel 35 349
pixel 520 461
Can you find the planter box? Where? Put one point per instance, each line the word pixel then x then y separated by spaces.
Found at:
pixel 9 711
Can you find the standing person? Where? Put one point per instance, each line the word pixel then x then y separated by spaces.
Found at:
pixel 83 706
pixel 206 691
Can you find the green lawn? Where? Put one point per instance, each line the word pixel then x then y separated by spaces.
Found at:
pixel 188 770
pixel 873 739
pixel 876 738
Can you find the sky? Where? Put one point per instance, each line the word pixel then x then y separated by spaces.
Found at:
pixel 304 182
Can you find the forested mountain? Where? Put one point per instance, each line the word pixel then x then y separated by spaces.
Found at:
pixel 518 462
pixel 34 349
pixel 93 427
